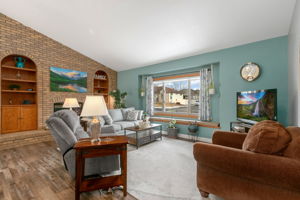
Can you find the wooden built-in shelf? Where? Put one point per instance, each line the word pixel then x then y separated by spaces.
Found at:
pixel 18 80
pixel 101 79
pixel 13 105
pixel 16 115
pixel 18 91
pixel 20 69
pixel 103 94
pixel 101 86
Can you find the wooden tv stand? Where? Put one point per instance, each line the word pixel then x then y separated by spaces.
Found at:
pixel 240 127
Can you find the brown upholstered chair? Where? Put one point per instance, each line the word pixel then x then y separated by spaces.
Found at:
pixel 224 169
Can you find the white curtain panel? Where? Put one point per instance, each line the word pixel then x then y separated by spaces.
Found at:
pixel 204 99
pixel 149 95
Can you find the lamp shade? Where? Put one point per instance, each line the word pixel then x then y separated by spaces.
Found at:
pixel 71 103
pixel 94 106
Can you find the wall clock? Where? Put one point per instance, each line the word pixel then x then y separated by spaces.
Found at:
pixel 250 71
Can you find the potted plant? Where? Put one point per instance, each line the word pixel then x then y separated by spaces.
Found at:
pixel 119 98
pixel 172 129
pixel 14 87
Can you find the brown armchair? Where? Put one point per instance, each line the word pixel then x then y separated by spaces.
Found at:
pixel 224 169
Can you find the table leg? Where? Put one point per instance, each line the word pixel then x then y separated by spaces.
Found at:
pixel 79 173
pixel 124 169
pixel 137 139
pixel 160 132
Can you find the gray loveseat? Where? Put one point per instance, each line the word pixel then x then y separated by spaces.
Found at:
pixel 118 121
pixel 66 130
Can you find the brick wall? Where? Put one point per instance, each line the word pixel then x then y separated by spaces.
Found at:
pixel 15 38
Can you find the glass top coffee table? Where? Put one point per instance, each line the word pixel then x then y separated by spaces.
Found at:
pixel 140 136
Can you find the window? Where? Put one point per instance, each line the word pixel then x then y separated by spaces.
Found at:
pixel 177 95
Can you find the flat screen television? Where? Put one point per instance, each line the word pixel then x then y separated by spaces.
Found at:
pixel 256 106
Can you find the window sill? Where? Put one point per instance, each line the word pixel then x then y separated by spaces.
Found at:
pixel 187 122
pixel 176 115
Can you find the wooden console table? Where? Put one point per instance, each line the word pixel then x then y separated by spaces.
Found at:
pixel 116 145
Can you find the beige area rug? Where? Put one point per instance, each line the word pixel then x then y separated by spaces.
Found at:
pixel 163 170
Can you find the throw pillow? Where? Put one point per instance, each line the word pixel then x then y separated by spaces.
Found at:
pixel 108 119
pixel 125 110
pixel 116 115
pixel 267 137
pixel 132 115
pixel 140 115
pixel 102 121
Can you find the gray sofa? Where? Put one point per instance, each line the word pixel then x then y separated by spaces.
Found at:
pixel 118 121
pixel 66 130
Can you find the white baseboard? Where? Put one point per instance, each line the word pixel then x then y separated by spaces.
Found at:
pixel 190 137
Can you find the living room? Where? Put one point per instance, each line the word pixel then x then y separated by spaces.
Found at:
pixel 184 99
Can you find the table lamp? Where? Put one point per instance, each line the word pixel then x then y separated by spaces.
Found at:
pixel 94 106
pixel 71 103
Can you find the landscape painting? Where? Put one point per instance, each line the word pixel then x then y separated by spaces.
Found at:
pixel 67 80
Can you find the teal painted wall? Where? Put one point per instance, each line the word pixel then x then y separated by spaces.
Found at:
pixel 270 54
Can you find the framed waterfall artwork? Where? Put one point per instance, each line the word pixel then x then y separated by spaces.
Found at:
pixel 67 80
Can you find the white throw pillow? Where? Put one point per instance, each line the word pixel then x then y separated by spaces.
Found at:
pixel 132 115
pixel 140 115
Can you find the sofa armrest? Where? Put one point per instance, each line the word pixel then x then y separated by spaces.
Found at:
pixel 267 169
pixel 229 139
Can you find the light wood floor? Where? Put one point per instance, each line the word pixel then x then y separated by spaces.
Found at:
pixel 37 172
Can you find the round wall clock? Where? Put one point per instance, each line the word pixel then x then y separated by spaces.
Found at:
pixel 250 71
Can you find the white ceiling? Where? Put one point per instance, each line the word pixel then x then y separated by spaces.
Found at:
pixel 125 34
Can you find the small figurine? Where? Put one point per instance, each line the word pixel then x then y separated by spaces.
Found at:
pixel 18 75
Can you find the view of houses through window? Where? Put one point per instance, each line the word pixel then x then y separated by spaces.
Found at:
pixel 177 95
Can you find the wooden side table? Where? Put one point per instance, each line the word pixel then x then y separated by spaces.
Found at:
pixel 116 145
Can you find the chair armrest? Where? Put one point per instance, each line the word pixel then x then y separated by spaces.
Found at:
pixel 267 169
pixel 229 139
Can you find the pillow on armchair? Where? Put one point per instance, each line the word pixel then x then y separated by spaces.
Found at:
pixel 267 137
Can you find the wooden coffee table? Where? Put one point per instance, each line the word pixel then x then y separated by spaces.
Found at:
pixel 143 135
pixel 116 145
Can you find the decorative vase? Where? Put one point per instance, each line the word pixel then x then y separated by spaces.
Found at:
pixel 173 132
pixel 20 62
pixel 18 75
pixel 211 91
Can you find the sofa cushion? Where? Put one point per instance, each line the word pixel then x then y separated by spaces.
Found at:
pixel 125 124
pixel 116 115
pixel 108 120
pixel 293 149
pixel 132 115
pixel 125 110
pixel 267 137
pixel 113 128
